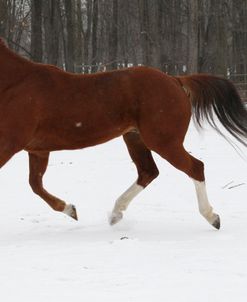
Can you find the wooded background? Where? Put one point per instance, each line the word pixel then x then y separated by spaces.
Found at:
pixel 177 36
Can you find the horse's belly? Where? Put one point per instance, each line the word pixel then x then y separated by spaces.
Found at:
pixel 78 138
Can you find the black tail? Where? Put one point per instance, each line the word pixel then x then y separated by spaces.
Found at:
pixel 212 95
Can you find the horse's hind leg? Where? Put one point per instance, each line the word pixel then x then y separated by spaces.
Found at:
pixel 146 169
pixel 37 165
pixel 194 168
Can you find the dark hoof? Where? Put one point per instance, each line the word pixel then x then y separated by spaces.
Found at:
pixel 216 223
pixel 70 210
pixel 74 213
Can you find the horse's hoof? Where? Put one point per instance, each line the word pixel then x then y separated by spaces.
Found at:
pixel 115 217
pixel 216 223
pixel 70 210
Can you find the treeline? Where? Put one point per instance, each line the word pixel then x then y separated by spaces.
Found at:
pixel 177 36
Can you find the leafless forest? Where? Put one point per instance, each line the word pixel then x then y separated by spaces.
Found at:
pixel 177 36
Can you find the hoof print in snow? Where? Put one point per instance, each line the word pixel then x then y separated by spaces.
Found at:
pixel 124 237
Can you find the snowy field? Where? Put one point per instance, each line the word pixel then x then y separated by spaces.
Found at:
pixel 162 250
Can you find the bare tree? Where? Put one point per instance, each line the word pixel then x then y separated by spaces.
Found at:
pixel 192 36
pixel 51 18
pixel 79 36
pixel 36 31
pixel 239 36
pixel 145 34
pixel 95 18
pixel 70 35
pixel 3 17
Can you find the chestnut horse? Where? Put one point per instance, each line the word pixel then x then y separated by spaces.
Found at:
pixel 43 109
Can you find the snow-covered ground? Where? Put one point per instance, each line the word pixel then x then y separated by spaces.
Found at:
pixel 162 250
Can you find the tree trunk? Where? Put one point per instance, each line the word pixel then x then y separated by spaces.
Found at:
pixel 3 18
pixel 145 34
pixel 239 36
pixel 113 37
pixel 94 35
pixel 51 30
pixel 36 30
pixel 79 45
pixel 87 36
pixel 70 40
pixel 192 36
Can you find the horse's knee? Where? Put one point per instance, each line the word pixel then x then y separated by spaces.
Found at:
pixel 36 184
pixel 145 177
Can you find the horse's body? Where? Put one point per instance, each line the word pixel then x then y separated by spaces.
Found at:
pixel 43 109
pixel 70 111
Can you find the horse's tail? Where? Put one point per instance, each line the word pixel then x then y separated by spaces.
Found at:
pixel 212 95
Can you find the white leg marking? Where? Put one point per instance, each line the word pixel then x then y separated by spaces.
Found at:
pixel 68 209
pixel 205 208
pixel 123 201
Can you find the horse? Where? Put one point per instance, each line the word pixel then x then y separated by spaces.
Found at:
pixel 45 109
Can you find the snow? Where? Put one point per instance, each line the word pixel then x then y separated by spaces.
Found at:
pixel 162 250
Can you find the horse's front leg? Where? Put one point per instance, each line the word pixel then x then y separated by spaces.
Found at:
pixel 38 162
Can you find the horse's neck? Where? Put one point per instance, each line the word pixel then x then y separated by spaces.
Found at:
pixel 12 67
